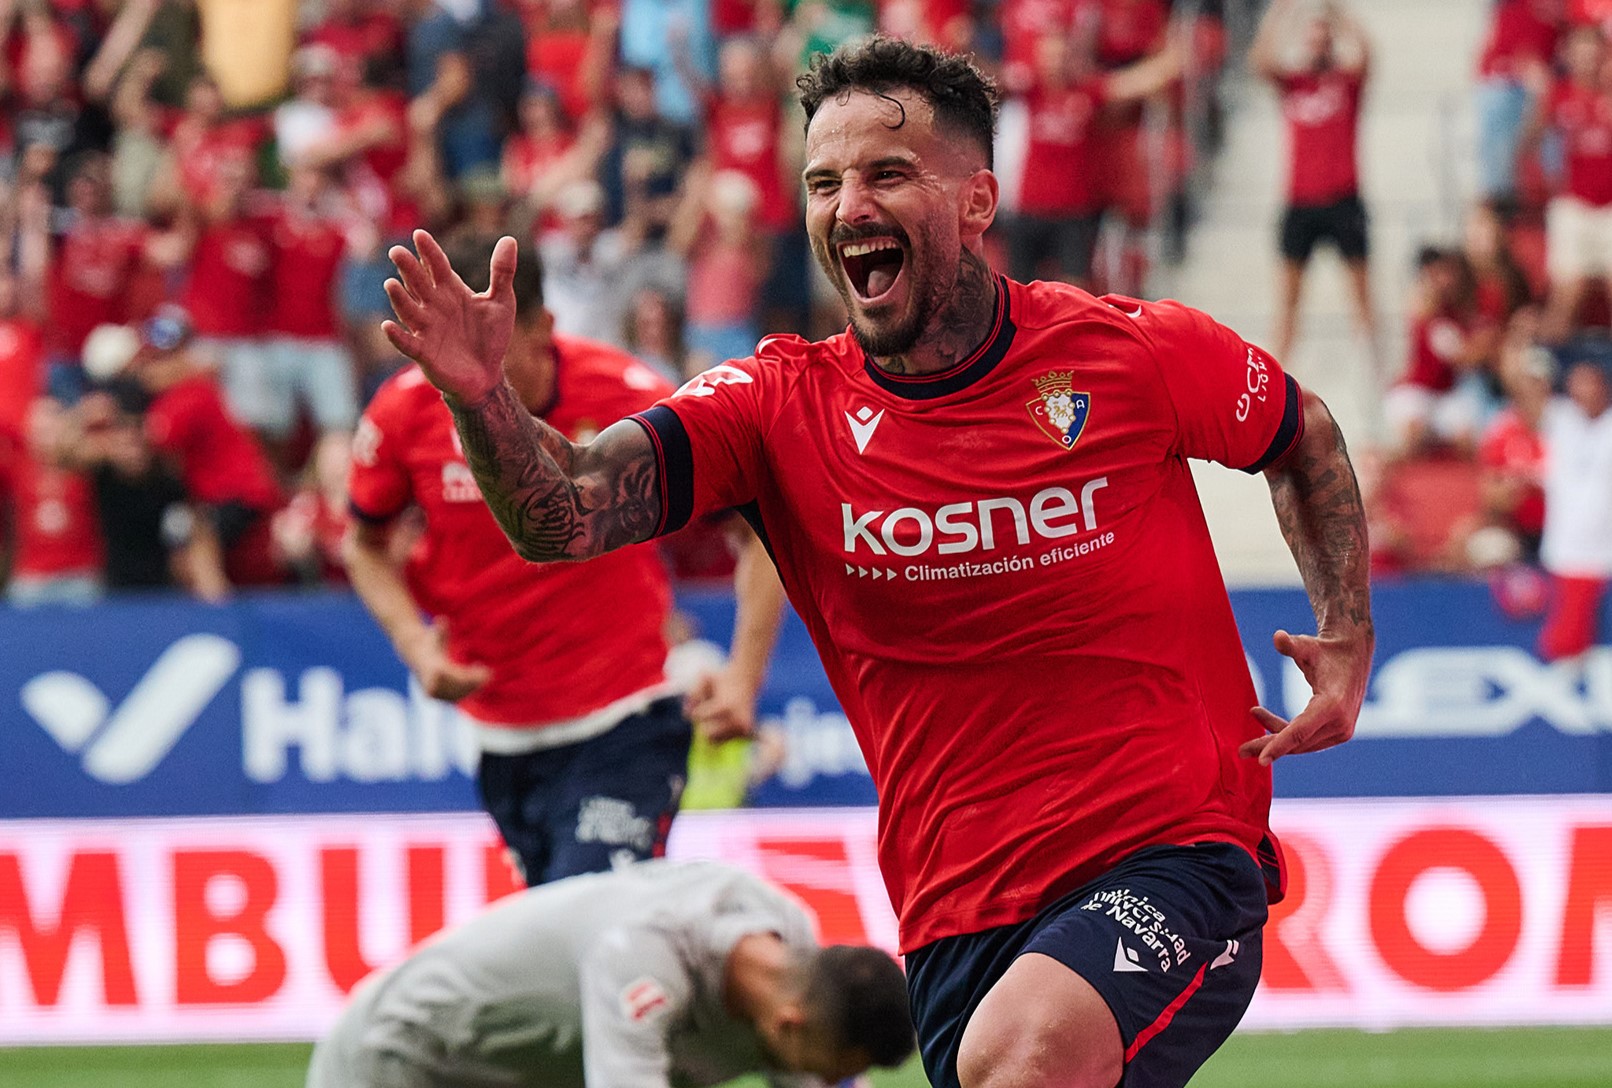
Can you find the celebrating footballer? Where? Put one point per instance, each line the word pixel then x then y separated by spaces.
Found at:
pixel 978 499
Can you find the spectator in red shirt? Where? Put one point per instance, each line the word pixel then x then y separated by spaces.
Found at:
pixel 1521 44
pixel 97 256
pixel 358 30
pixel 1438 399
pixel 570 45
pixel 204 145
pixel 547 154
pixel 307 363
pixel 1512 451
pixel 24 260
pixel 1578 219
pixel 744 133
pixel 1321 104
pixel 716 230
pixel 52 543
pixel 223 249
pixel 223 469
pixel 1054 234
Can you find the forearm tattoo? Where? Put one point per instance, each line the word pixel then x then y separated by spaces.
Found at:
pixel 1319 508
pixel 553 499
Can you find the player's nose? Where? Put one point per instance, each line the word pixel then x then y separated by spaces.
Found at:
pixel 856 204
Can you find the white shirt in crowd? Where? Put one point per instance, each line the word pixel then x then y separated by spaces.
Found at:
pixel 1578 491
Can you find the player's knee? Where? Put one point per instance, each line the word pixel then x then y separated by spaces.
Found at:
pixel 1022 1053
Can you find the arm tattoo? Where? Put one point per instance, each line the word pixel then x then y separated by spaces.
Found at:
pixel 553 499
pixel 1323 518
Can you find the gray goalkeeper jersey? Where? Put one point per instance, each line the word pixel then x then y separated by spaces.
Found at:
pixel 611 980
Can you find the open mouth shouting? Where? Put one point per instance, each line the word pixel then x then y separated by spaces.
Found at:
pixel 872 267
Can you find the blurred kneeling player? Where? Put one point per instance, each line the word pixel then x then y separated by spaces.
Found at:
pixel 656 974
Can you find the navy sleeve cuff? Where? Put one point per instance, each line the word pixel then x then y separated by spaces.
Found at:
pixel 676 463
pixel 1288 433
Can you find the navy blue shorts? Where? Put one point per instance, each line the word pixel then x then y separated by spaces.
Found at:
pixel 586 807
pixel 1170 937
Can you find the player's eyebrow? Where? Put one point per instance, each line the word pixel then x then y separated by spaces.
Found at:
pixel 813 173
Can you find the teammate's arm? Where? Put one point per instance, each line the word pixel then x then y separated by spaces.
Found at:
pixel 1321 514
pixel 723 705
pixel 554 499
pixel 375 577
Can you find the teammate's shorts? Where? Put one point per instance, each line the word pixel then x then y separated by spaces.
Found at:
pixel 1342 223
pixel 1171 938
pixel 584 807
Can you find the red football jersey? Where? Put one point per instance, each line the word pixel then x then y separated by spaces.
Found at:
pixel 226 292
pixel 1008 576
pixel 562 639
pixel 1323 115
pixel 1584 118
pixel 1060 162
pixel 90 273
pixel 305 260
pixel 218 459
pixel 54 528
pixel 743 136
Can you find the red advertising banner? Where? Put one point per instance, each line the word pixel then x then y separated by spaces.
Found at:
pixel 1437 912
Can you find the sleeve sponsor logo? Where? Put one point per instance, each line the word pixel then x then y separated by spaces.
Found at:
pixel 706 384
pixel 1257 379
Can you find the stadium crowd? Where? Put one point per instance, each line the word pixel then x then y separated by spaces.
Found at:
pixel 198 198
pixel 1499 456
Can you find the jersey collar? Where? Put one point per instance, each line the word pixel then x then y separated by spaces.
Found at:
pixel 963 374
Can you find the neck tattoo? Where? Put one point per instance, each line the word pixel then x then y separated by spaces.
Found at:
pixel 958 328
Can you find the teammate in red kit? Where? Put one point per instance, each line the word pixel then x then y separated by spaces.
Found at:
pixel 558 669
pixel 1321 104
pixel 979 501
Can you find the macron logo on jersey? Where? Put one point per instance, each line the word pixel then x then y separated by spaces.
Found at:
pixel 863 424
pixel 961 527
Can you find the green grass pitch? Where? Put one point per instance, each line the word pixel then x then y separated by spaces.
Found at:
pixel 1519 1058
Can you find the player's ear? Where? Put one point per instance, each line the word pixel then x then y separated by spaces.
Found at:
pixel 978 200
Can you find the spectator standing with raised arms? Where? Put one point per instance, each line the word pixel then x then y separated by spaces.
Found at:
pixel 1321 103
pixel 1081 881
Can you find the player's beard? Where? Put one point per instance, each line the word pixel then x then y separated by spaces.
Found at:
pixel 899 333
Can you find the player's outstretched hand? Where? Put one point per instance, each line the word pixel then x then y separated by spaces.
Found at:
pixel 456 335
pixel 440 676
pixel 722 707
pixel 1336 669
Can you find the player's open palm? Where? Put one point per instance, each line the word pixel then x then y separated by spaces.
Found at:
pixel 458 336
pixel 1336 669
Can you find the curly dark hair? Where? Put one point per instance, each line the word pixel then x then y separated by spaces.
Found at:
pixel 964 98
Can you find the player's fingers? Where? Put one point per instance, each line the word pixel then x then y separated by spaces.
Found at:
pixel 1251 749
pixel 410 271
pixel 1271 723
pixel 435 261
pixel 501 276
pixel 407 308
pixel 402 339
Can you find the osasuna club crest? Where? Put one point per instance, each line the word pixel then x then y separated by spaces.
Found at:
pixel 1058 410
